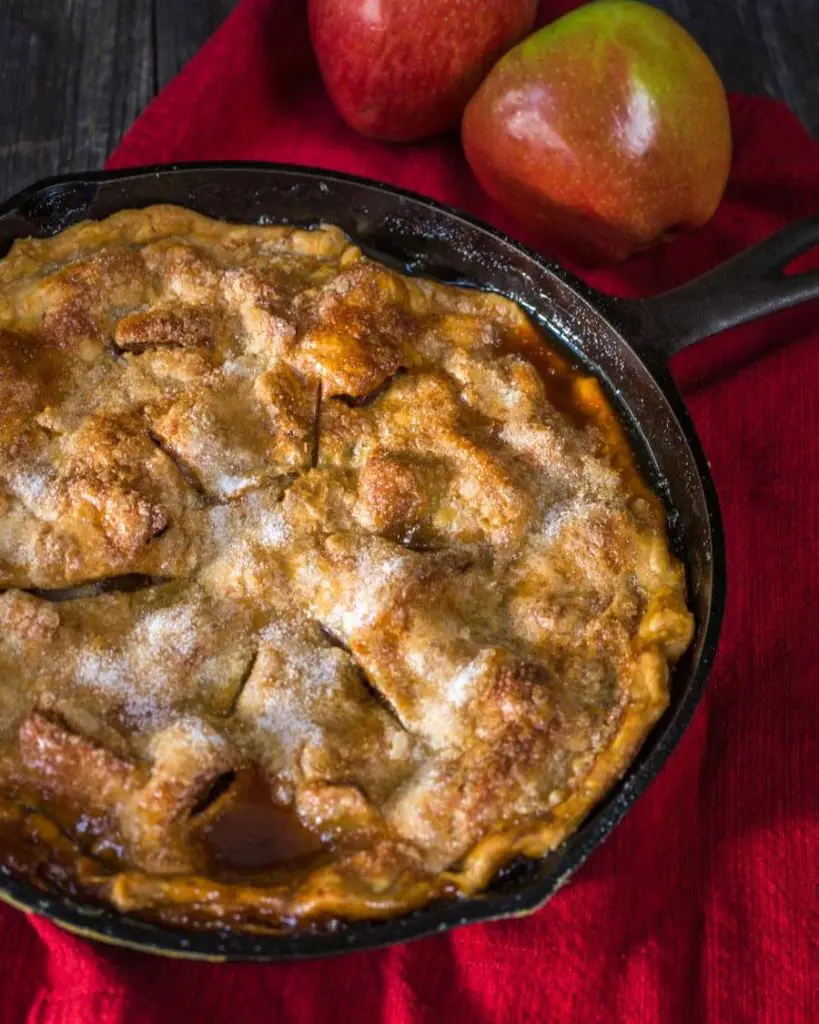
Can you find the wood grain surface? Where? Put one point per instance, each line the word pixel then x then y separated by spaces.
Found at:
pixel 75 73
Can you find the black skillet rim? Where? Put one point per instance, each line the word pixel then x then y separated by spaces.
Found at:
pixel 109 926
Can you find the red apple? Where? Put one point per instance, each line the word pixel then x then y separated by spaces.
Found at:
pixel 605 131
pixel 404 69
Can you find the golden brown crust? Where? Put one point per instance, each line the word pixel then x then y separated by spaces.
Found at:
pixel 325 590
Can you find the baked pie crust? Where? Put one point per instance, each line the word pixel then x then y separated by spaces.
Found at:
pixel 325 590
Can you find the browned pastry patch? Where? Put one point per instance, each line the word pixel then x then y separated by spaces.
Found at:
pixel 185 327
pixel 324 591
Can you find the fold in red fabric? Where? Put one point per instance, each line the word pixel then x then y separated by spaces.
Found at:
pixel 702 905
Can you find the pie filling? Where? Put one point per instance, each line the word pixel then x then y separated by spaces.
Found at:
pixel 325 590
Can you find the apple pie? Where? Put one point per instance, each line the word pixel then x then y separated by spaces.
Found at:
pixel 324 591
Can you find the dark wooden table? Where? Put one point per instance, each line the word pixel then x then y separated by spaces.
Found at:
pixel 75 73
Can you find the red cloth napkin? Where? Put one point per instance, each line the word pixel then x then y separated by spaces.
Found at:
pixel 702 905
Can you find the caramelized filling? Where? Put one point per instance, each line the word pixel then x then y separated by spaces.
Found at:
pixel 253 834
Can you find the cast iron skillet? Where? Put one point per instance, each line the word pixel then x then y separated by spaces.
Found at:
pixel 626 343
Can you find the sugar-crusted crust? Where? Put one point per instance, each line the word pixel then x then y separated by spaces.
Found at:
pixel 274 518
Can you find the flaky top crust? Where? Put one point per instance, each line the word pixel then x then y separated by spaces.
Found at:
pixel 325 590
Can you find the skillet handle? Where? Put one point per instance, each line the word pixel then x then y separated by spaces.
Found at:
pixel 748 286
